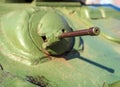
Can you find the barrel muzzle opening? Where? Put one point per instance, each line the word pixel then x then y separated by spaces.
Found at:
pixel 95 31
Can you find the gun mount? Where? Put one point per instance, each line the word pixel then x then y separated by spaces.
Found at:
pixel 60 42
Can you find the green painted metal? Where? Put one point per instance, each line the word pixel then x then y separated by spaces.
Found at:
pixel 91 61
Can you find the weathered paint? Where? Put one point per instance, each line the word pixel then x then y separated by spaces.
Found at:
pixel 93 62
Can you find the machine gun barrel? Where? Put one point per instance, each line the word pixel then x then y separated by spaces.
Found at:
pixel 93 31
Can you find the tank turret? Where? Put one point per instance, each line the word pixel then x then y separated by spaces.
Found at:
pixel 57 35
pixel 49 34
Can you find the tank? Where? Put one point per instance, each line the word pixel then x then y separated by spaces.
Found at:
pixel 59 44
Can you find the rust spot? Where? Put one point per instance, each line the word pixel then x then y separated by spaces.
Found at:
pixel 63 61
pixel 39 80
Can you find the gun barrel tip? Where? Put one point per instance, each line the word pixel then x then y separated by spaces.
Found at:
pixel 96 30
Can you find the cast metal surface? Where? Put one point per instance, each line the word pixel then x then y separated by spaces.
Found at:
pixel 33 54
